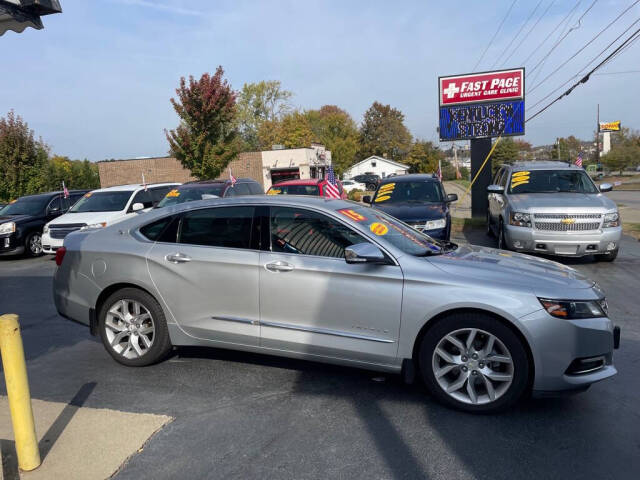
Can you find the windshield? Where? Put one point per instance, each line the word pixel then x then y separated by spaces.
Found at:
pixel 424 191
pixel 190 194
pixel 294 190
pixel 397 233
pixel 102 202
pixel 551 181
pixel 26 206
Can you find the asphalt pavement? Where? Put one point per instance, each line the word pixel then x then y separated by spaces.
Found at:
pixel 238 415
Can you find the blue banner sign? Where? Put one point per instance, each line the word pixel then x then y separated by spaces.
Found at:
pixel 480 120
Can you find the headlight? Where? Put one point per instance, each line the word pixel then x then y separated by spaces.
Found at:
pixel 569 309
pixel 520 219
pixel 46 228
pixel 611 220
pixel 94 225
pixel 8 227
pixel 433 224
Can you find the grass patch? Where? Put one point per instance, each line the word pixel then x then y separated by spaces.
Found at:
pixel 465 224
pixel 463 183
pixel 632 229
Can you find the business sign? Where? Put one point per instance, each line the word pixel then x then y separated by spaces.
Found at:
pixel 479 105
pixel 610 126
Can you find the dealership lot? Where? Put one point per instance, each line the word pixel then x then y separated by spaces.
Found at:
pixel 238 415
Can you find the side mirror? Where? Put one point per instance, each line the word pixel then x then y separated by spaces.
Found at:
pixel 364 253
pixel 495 189
pixel 366 199
pixel 606 187
pixel 452 197
pixel 137 207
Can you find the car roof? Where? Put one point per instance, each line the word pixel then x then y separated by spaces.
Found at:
pixel 519 166
pixel 300 181
pixel 413 177
pixel 204 183
pixel 52 194
pixel 133 186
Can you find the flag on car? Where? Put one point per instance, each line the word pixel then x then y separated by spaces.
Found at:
pixel 332 184
pixel 65 192
pixel 439 171
pixel 144 183
pixel 232 178
pixel 579 160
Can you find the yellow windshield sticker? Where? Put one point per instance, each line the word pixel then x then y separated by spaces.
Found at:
pixel 274 191
pixel 87 195
pixel 385 191
pixel 352 214
pixel 173 193
pixel 382 198
pixel 13 201
pixel 519 178
pixel 379 228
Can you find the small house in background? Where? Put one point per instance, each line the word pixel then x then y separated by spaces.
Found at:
pixel 377 166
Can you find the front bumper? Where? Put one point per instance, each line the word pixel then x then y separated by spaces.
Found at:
pixel 11 244
pixel 573 244
pixel 570 355
pixel 50 245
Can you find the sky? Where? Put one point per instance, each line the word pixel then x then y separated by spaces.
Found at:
pixel 96 82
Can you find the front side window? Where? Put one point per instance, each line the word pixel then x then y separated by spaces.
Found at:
pixel 239 189
pixel 393 192
pixel 159 193
pixel 143 197
pixel 228 227
pixel 102 202
pixel 305 232
pixel 26 206
pixel 551 181
pixel 190 193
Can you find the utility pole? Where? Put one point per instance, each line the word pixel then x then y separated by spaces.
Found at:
pixel 598 136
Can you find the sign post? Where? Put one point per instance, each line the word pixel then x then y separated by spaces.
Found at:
pixel 477 107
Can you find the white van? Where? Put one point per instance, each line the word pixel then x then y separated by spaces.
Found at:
pixel 103 207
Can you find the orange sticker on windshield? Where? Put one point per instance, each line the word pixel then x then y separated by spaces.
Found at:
pixel 87 195
pixel 352 214
pixel 379 228
pixel 274 191
pixel 173 193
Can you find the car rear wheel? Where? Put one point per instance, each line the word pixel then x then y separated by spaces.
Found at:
pixel 474 363
pixel 33 245
pixel 133 328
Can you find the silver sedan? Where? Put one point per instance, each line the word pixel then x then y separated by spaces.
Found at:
pixel 334 281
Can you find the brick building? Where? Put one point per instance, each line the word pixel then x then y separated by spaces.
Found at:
pixel 265 167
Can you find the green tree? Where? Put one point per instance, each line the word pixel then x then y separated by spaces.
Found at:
pixel 206 139
pixel 265 101
pixel 566 149
pixel 625 151
pixel 423 157
pixel 383 133
pixel 336 130
pixel 506 152
pixel 292 131
pixel 22 158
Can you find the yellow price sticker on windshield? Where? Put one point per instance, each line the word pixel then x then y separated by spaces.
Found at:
pixel 87 195
pixel 384 192
pixel 274 191
pixel 519 178
pixel 173 193
pixel 379 228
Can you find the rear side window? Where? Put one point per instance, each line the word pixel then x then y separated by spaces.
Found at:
pixel 144 198
pixel 255 189
pixel 239 189
pixel 163 230
pixel 159 193
pixel 228 227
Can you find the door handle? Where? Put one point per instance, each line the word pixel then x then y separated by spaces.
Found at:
pixel 177 258
pixel 279 266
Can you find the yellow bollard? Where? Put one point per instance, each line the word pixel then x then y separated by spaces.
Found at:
pixel 15 375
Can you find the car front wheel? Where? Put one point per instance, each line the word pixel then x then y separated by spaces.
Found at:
pixel 474 363
pixel 133 328
pixel 33 245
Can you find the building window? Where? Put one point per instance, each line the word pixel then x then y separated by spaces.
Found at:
pixel 373 163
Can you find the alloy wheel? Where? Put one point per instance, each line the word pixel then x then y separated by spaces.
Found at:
pixel 35 244
pixel 472 366
pixel 129 328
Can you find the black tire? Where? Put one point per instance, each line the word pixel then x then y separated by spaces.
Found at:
pixel 489 229
pixel 521 368
pixel 371 187
pixel 607 257
pixel 502 243
pixel 161 344
pixel 33 245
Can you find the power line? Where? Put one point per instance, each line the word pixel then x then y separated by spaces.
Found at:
pixel 529 32
pixel 587 44
pixel 618 73
pixel 517 35
pixel 535 50
pixel 494 35
pixel 586 66
pixel 564 36
pixel 632 38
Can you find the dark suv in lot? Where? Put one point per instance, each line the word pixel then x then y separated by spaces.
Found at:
pixel 369 179
pixel 22 221
pixel 419 200
pixel 202 189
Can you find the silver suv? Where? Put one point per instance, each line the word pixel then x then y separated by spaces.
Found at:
pixel 552 208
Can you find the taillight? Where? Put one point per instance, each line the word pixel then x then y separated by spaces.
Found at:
pixel 60 255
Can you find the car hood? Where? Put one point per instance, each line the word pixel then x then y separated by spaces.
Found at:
pixel 560 202
pixel 87 218
pixel 489 265
pixel 16 218
pixel 413 212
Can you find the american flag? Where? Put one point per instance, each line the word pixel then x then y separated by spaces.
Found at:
pixel 579 160
pixel 332 185
pixel 65 192
pixel 439 172
pixel 232 178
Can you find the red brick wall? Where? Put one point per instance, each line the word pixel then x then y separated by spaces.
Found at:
pixel 247 165
pixel 159 169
